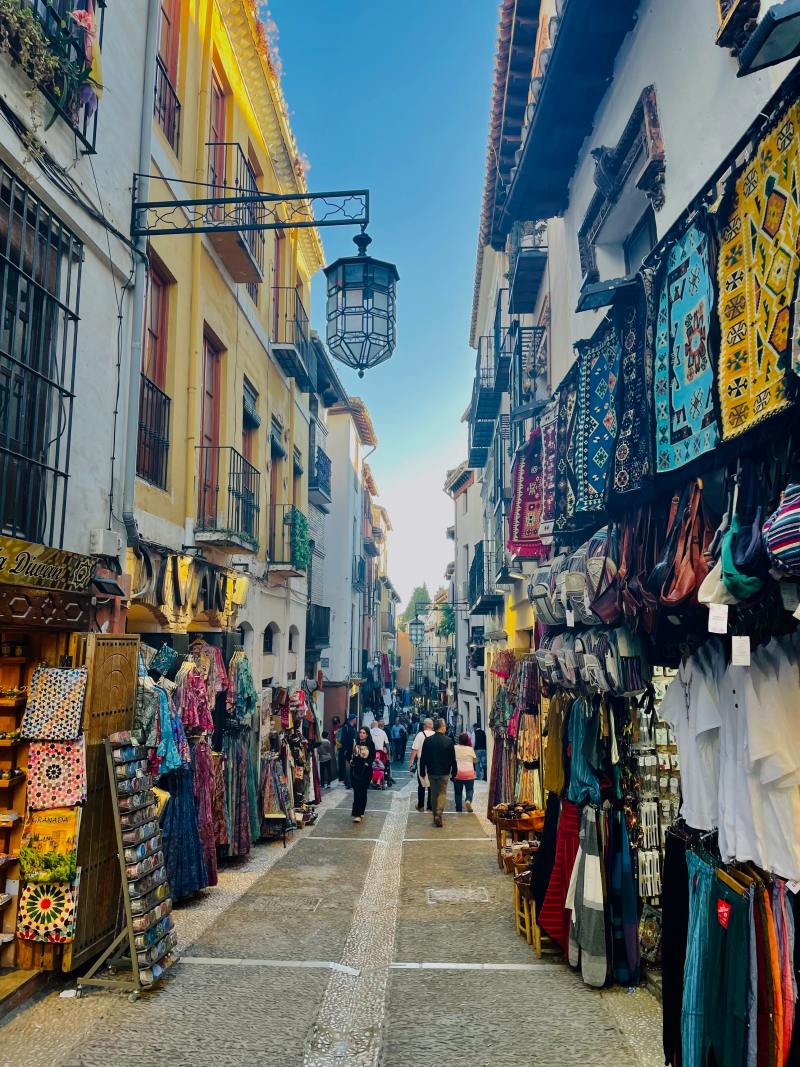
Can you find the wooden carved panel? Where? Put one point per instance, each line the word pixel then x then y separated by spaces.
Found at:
pixel 637 157
pixel 737 20
pixel 44 609
pixel 109 706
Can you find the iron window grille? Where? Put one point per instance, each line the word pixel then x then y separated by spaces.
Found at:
pixel 40 280
pixel 229 493
pixel 167 106
pixel 152 452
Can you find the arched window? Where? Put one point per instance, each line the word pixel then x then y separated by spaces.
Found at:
pixel 270 645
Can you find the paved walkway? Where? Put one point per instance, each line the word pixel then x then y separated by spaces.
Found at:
pixel 335 953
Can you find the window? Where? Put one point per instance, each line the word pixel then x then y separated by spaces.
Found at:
pixel 465 495
pixel 209 433
pixel 154 405
pixel 39 290
pixel 640 241
pixel 250 421
pixel 269 646
pixel 630 185
pixel 216 137
pixel 294 639
pixel 166 105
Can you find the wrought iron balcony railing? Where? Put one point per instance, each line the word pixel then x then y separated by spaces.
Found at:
pixel 152 452
pixel 228 499
pixel 291 337
pixel 388 624
pixel 231 175
pixel 289 545
pixel 318 627
pixel 167 106
pixel 59 26
pixel 359 572
pixel 483 596
pixel 319 477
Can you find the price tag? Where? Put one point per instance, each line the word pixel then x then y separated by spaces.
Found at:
pixel 717 618
pixel 741 652
pixel 570 617
pixel 793 887
pixel 796 612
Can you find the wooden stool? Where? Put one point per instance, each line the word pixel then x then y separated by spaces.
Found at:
pixel 522 913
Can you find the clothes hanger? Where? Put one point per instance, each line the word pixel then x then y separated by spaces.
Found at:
pixel 730 882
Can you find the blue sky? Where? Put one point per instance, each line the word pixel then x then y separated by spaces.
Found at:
pixel 395 98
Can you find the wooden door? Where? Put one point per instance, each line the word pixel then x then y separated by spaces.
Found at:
pixel 111 660
pixel 169 38
pixel 274 484
pixel 216 138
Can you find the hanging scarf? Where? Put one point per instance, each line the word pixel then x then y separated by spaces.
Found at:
pixel 683 379
pixel 758 265
pixel 596 420
pixel 526 507
pixel 633 452
pixel 548 425
pixel 565 451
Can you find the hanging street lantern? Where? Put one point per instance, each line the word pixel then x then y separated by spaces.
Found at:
pixel 416 631
pixel 361 309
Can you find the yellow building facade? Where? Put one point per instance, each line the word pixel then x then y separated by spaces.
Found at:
pixel 228 373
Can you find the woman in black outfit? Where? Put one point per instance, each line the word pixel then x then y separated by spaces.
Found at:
pixel 361 771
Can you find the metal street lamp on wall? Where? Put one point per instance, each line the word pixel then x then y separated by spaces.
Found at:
pixel 416 631
pixel 361 309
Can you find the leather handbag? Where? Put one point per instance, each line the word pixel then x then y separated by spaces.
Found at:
pixel 606 602
pixel 690 564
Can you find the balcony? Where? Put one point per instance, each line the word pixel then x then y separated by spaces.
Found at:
pixel 289 547
pixel 231 178
pixel 167 106
pixel 480 437
pixel 505 341
pixel 228 499
pixel 531 372
pixel 388 624
pixel 44 35
pixel 152 451
pixel 291 338
pixel 528 260
pixel 318 628
pixel 319 479
pixel 484 598
pixel 359 573
pixel 485 398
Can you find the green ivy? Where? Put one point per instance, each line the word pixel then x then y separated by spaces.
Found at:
pixel 299 543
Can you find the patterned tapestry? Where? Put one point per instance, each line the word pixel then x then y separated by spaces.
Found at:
pixel 565 451
pixel 633 453
pixel 55 704
pixel 548 424
pixel 526 506
pixel 47 913
pixel 56 773
pixel 758 266
pixel 596 424
pixel 683 375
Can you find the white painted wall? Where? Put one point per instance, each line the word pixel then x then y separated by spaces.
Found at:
pixel 703 108
pixel 468 521
pixel 107 264
pixel 342 526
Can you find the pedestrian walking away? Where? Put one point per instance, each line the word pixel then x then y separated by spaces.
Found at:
pixel 361 772
pixel 413 764
pixel 347 736
pixel 479 744
pixel 438 761
pixel 464 781
pixel 325 760
pixel 397 740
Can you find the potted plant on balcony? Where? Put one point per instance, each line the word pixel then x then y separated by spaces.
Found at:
pixel 63 65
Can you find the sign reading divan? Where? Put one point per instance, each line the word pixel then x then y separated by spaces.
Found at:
pixel 39 567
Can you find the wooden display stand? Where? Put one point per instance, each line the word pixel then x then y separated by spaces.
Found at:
pixel 13 757
pixel 122 956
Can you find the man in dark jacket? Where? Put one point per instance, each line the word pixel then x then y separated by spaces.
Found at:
pixel 347 736
pixel 438 761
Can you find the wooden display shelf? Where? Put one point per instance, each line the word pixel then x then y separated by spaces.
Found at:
pixel 12 703
pixel 12 661
pixel 6 861
pixel 10 742
pixel 6 783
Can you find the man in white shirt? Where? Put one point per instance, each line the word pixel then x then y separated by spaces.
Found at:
pixel 416 749
pixel 379 736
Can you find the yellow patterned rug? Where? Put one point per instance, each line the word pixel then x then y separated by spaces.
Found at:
pixel 758 265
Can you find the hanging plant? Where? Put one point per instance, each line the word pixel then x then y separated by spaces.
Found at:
pixel 64 67
pixel 299 543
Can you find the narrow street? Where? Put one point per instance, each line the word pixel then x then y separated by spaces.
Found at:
pixel 336 952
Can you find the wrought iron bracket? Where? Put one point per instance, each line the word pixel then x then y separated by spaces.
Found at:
pixel 220 208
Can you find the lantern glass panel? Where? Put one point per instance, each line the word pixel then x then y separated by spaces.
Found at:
pixel 354 274
pixel 353 297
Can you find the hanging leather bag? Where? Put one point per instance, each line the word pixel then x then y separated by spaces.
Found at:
pixel 691 562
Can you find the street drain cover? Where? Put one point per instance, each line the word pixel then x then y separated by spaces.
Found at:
pixel 459 895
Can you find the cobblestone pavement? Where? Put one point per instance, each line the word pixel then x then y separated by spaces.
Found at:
pixel 387 944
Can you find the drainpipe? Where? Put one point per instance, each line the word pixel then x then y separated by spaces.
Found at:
pixel 139 278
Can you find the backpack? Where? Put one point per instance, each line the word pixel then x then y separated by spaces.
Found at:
pixel 626 663
pixel 547 661
pixel 541 593
pixel 590 650
pixel 563 648
pixel 592 570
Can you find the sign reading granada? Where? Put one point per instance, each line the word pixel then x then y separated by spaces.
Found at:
pixel 40 567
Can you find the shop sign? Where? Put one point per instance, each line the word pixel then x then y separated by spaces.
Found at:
pixel 182 588
pixel 39 567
